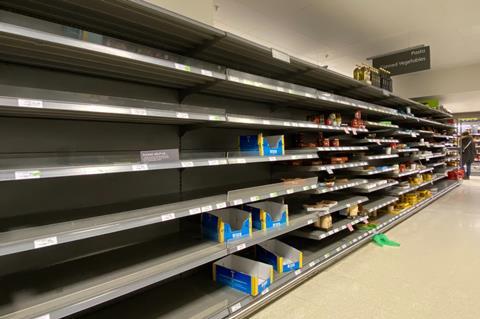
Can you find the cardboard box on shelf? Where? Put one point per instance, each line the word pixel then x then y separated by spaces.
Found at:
pixel 268 214
pixel 243 274
pixel 227 224
pixel 281 256
pixel 263 145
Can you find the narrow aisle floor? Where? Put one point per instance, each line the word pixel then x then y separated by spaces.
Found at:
pixel 434 274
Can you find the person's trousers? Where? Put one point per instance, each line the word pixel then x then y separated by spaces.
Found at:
pixel 468 170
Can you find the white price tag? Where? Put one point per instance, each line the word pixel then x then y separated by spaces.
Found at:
pixel 30 103
pixel 168 217
pixel 135 111
pixel 206 208
pixel 354 131
pixel 313 186
pixel 266 122
pixel 194 211
pixel 237 202
pixel 241 161
pixel 182 67
pixel 139 167
pixel 206 72
pixel 221 205
pixel 214 118
pixel 265 291
pixel 27 174
pixel 254 198
pixel 213 162
pixel 273 194
pixel 309 156
pixel 182 115
pixel 45 242
pixel 47 316
pixel 187 164
pixel 329 171
pixel 280 89
pixel 378 142
pixel 346 130
pixel 272 158
pixel 310 221
pixel 287 124
pixel 311 264
pixel 280 56
pixel 306 188
pixel 235 307
pixel 298 272
pixel 344 246
pixel 241 246
pixel 290 191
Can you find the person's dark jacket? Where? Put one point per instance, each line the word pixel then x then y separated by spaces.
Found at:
pixel 468 150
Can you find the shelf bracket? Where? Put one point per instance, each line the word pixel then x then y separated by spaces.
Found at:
pixel 183 94
pixel 204 46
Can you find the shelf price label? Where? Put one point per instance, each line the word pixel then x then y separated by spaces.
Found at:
pixel 237 202
pixel 47 316
pixel 136 111
pixel 221 205
pixel 206 72
pixel 182 67
pixel 265 291
pixel 45 242
pixel 350 227
pixel 213 162
pixel 311 264
pixel 241 246
pixel 166 217
pixel 329 171
pixel 214 118
pixel 273 194
pixel 206 208
pixel 139 167
pixel 194 211
pixel 182 115
pixel 19 175
pixel 272 158
pixel 290 191
pixel 235 307
pixel 254 198
pixel 30 103
pixel 280 56
pixel 187 164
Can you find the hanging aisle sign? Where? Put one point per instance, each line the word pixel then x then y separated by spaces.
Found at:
pixel 405 61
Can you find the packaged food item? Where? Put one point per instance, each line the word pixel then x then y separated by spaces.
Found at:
pixel 320 206
pixel 326 142
pixel 324 222
pixel 335 142
pixel 338 119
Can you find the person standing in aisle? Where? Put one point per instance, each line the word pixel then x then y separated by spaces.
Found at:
pixel 468 152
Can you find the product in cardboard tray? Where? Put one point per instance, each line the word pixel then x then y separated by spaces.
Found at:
pixel 335 142
pixel 324 222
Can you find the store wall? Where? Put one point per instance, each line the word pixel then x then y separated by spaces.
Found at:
pixel 201 10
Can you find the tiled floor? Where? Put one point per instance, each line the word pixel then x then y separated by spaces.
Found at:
pixel 434 274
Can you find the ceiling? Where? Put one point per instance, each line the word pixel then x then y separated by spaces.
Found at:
pixel 342 33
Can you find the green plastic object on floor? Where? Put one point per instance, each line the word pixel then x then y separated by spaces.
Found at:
pixel 382 240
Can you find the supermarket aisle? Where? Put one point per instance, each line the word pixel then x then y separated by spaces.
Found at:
pixel 434 274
